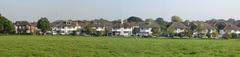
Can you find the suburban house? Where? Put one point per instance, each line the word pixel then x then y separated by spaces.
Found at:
pixel 229 28
pixel 177 27
pixel 145 28
pixel 101 25
pixel 201 28
pixel 65 27
pixel 23 27
pixel 123 28
pixel 33 27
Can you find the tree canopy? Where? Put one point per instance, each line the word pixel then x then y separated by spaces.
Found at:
pixel 43 24
pixel 176 19
pixel 220 25
pixel 6 26
pixel 162 23
pixel 134 19
pixel 156 30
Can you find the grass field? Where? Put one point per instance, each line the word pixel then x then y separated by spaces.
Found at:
pixel 77 46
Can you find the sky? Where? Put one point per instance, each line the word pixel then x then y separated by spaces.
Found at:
pixel 32 10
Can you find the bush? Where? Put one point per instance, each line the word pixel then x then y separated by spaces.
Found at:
pixel 234 35
pixel 228 35
pixel 215 34
pixel 189 33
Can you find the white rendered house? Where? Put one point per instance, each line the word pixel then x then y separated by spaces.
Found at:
pixel 122 31
pixel 64 27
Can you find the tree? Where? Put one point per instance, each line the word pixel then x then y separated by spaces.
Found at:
pixel 89 30
pixel 156 30
pixel 134 19
pixel 201 29
pixel 176 19
pixel 44 25
pixel 149 20
pixel 188 33
pixel 215 35
pixel 162 24
pixel 106 32
pixel 6 26
pixel 101 20
pixel 231 21
pixel 228 35
pixel 234 35
pixel 135 30
pixel 220 25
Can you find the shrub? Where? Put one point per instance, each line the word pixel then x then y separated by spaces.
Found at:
pixel 234 35
pixel 228 35
pixel 189 33
pixel 215 34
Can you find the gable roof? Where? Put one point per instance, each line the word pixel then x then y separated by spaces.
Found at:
pixel 33 24
pixel 231 27
pixel 63 23
pixel 177 25
pixel 21 23
pixel 206 25
pixel 124 25
pixel 83 23
pixel 148 24
pixel 98 23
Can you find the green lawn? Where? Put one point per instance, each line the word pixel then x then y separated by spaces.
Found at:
pixel 77 46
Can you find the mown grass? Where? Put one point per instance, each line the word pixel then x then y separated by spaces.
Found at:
pixel 77 46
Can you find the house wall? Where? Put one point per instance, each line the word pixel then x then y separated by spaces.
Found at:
pixel 145 31
pixel 178 30
pixel 123 31
pixel 100 28
pixel 23 29
pixel 64 30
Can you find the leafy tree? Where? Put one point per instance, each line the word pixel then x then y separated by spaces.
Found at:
pixel 201 28
pixel 106 32
pixel 6 26
pixel 162 24
pixel 136 30
pixel 215 34
pixel 220 25
pixel 234 35
pixel 134 19
pixel 149 20
pixel 99 33
pixel 228 35
pixel 156 30
pixel 176 19
pixel 188 33
pixel 44 25
pixel 101 20
pixel 231 20
pixel 89 30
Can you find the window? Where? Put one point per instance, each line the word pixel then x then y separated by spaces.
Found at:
pixel 126 32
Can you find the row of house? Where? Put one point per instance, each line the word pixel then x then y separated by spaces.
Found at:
pixel 123 28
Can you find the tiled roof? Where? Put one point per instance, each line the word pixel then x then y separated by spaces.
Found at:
pixel 63 23
pixel 177 25
pixel 21 23
pixel 125 24
pixel 148 25
pixel 231 27
pixel 206 25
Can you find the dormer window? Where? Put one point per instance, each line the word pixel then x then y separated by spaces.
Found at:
pixel 68 23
